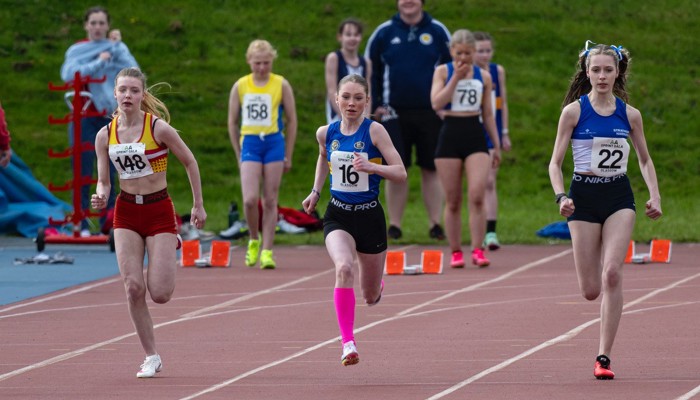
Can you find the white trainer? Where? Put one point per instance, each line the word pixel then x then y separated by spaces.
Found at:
pixel 288 227
pixel 350 356
pixel 150 366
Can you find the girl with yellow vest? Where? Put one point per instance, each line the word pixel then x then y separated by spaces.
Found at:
pixel 259 104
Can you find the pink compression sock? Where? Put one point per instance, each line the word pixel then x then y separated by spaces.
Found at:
pixel 344 299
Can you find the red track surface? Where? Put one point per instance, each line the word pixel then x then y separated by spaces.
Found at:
pixel 518 329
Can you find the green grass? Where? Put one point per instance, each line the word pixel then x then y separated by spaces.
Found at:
pixel 199 48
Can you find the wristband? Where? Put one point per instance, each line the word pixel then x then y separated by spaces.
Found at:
pixel 504 132
pixel 558 197
pixel 317 192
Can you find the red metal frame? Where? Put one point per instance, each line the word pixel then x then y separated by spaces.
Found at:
pixel 78 181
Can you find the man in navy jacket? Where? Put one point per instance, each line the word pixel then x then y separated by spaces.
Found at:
pixel 404 52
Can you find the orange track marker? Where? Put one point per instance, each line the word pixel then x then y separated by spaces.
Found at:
pixel 395 262
pixel 431 261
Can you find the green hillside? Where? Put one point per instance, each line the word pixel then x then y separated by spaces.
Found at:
pixel 199 49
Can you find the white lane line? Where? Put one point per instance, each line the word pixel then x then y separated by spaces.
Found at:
pixel 561 338
pixel 690 394
pixel 485 283
pixel 63 357
pixel 254 294
pixel 400 315
pixel 49 310
pixel 187 317
pixel 58 296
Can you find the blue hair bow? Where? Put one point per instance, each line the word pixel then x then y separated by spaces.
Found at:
pixel 618 50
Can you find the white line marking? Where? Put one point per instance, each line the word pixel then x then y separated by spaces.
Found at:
pixel 690 394
pixel 48 310
pixel 400 315
pixel 254 294
pixel 485 283
pixel 58 296
pixel 187 317
pixel 561 338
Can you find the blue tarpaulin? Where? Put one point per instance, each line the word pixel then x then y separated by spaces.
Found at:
pixel 25 203
pixel 559 230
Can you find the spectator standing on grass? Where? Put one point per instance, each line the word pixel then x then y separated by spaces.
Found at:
pixel 96 57
pixel 259 104
pixel 463 91
pixel 404 52
pixel 345 61
pixel 600 206
pixel 484 54
pixel 137 142
pixel 357 153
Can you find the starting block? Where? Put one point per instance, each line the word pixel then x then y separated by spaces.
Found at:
pixel 395 262
pixel 219 256
pixel 191 252
pixel 431 263
pixel 630 252
pixel 659 252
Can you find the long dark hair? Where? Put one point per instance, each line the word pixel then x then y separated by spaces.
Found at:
pixel 580 84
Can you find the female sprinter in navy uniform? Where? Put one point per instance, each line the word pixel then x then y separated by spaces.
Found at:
pixel 137 141
pixel 600 205
pixel 463 91
pixel 358 153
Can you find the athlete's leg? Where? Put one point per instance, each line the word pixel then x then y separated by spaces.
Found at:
pixel 491 199
pixel 272 177
pixel 477 166
pixel 432 195
pixel 129 248
pixel 449 172
pixel 371 269
pixel 396 197
pixel 251 175
pixel 162 265
pixel 617 232
pixel 340 246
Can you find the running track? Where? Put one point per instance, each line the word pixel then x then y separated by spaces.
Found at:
pixel 518 329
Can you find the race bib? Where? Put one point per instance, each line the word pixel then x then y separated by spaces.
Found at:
pixel 130 160
pixel 345 177
pixel 609 156
pixel 467 95
pixel 257 109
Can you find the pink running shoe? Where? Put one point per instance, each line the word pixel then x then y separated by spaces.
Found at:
pixel 479 259
pixel 457 259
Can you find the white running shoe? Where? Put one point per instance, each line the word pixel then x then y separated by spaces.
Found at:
pixel 350 356
pixel 150 366
pixel 233 230
pixel 288 227
pixel 85 233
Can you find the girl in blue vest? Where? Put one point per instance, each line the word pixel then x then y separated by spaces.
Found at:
pixel 357 153
pixel 499 101
pixel 345 61
pixel 599 206
pixel 462 92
